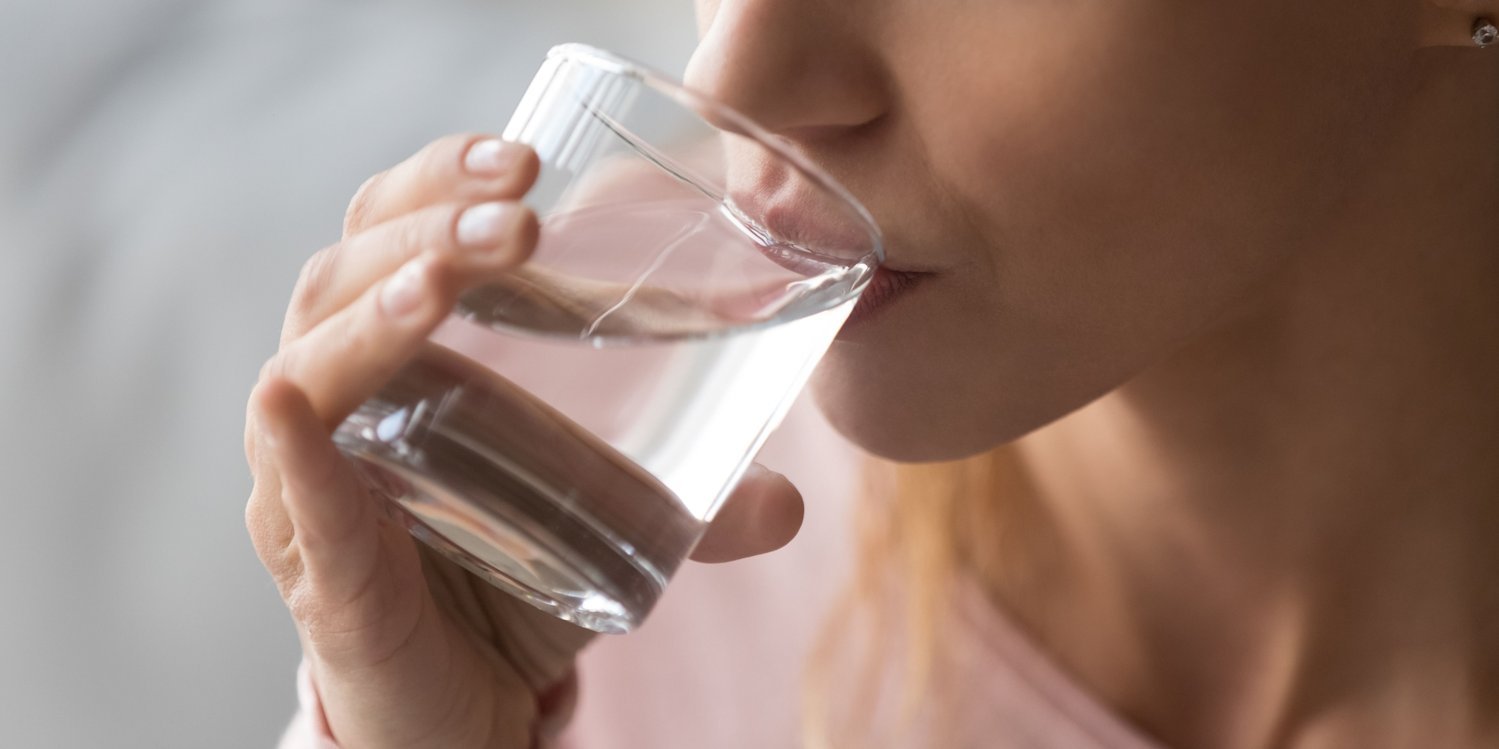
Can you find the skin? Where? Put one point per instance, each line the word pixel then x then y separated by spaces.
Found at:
pixel 1220 275
pixel 1223 275
pixel 406 648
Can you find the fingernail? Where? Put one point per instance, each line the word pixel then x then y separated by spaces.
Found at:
pixel 402 293
pixel 490 157
pixel 484 224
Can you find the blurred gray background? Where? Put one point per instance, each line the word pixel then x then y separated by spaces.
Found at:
pixel 165 168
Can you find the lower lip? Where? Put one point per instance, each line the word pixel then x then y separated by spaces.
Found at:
pixel 887 287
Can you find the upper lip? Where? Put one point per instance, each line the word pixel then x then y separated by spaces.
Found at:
pixel 844 240
pixel 791 209
pixel 807 220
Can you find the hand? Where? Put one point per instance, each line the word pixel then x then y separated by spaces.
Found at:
pixel 408 649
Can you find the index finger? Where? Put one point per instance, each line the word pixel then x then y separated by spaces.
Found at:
pixel 467 167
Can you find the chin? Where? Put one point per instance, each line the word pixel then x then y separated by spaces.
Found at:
pixel 926 407
pixel 890 422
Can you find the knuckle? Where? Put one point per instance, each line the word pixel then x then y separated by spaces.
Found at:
pixel 255 410
pixel 446 153
pixel 361 206
pixel 274 367
pixel 441 160
pixel 427 229
pixel 252 440
pixel 279 366
pixel 430 232
pixel 272 538
pixel 314 279
pixel 257 521
pixel 252 428
pixel 254 419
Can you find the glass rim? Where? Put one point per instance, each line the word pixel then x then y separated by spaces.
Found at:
pixel 615 64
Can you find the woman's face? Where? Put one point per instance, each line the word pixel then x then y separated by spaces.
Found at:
pixel 1091 185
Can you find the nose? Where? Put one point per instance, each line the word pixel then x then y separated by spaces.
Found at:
pixel 799 68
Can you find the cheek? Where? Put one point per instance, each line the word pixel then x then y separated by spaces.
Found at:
pixel 1173 153
pixel 1126 176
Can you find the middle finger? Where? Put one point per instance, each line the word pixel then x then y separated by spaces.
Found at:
pixel 456 168
pixel 483 237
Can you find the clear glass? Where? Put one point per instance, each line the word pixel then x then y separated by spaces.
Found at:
pixel 569 432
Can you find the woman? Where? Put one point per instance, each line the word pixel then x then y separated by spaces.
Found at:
pixel 1202 325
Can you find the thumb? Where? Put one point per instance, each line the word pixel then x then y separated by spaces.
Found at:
pixel 341 534
pixel 762 514
pixel 336 522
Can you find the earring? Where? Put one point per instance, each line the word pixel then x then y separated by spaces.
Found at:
pixel 1485 33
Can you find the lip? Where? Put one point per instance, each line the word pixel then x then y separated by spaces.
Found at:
pixel 807 218
pixel 807 224
pixel 816 244
pixel 886 288
pixel 799 242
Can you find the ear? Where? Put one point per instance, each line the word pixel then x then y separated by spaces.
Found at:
pixel 1453 23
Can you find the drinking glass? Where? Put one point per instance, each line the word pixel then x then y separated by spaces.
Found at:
pixel 568 433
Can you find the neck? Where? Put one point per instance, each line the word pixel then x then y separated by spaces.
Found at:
pixel 1289 524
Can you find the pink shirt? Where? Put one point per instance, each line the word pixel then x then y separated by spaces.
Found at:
pixel 719 662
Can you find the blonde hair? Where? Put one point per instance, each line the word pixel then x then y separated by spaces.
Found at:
pixel 919 527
